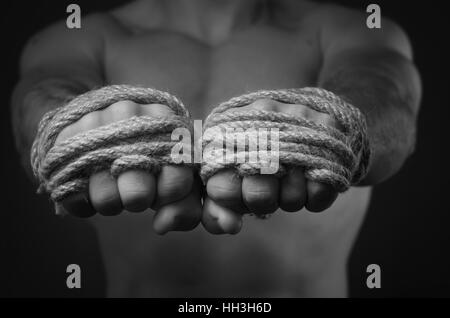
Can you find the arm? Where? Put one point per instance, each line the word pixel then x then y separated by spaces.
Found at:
pixel 59 64
pixel 373 69
pixel 56 65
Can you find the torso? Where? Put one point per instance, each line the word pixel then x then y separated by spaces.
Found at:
pixel 290 254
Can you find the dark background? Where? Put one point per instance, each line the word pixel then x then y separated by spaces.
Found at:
pixel 406 230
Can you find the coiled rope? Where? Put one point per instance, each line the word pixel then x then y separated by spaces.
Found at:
pixel 336 157
pixel 140 142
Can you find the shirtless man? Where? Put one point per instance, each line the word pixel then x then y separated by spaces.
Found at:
pixel 205 52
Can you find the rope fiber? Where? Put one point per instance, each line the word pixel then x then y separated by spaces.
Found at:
pixel 339 157
pixel 140 142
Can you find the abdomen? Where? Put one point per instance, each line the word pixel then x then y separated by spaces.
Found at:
pixel 284 255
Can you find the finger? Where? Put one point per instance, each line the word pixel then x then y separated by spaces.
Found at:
pixel 156 110
pixel 67 132
pixel 87 122
pixel 104 193
pixel 217 219
pixel 260 193
pixel 320 196
pixel 120 110
pixel 137 189
pixel 225 188
pixel 266 104
pixel 78 205
pixel 293 190
pixel 173 184
pixel 183 215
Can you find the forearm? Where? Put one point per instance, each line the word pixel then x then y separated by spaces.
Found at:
pixel 35 96
pixel 385 86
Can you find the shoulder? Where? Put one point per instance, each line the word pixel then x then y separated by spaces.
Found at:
pixel 93 25
pixel 58 41
pixel 338 24
pixel 138 16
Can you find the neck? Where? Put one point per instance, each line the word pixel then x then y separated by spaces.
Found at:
pixel 211 20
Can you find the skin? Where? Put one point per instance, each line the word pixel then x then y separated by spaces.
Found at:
pixel 149 43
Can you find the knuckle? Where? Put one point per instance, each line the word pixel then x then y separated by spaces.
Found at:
pixel 67 132
pixel 316 117
pixel 300 110
pixel 87 122
pixel 90 121
pixel 156 110
pixel 120 105
pixel 325 120
pixel 120 110
pixel 266 104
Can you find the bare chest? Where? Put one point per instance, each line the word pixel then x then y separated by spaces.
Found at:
pixel 261 57
pixel 267 255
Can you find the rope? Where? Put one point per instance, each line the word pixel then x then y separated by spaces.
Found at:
pixel 339 157
pixel 140 142
pixel 336 157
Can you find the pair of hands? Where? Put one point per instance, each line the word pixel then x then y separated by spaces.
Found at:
pixel 175 193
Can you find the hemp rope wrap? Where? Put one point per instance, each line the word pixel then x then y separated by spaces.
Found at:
pixel 328 155
pixel 338 158
pixel 140 142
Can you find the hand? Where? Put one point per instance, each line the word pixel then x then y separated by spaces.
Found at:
pixel 228 196
pixel 174 193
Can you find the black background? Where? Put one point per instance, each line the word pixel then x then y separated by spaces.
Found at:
pixel 405 231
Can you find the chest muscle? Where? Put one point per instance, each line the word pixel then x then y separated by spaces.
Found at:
pixel 202 76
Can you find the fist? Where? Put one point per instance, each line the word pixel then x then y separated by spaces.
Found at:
pixel 229 196
pixel 174 193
